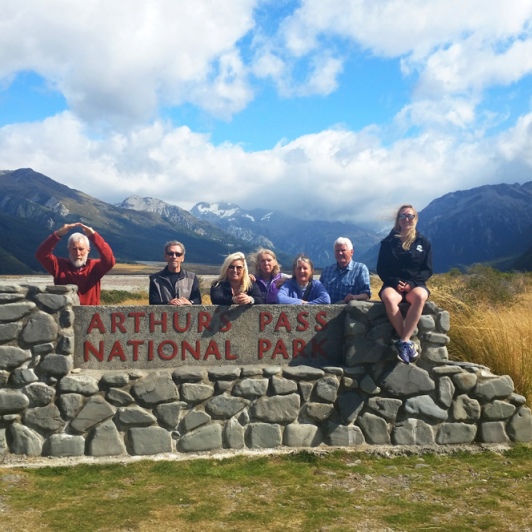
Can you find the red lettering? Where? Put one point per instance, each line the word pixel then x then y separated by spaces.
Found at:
pixel 228 354
pixel 297 347
pixel 96 323
pixel 280 349
pixel 162 322
pixel 90 349
pixel 117 322
pixel 136 317
pixel 117 351
pixel 321 319
pixel 224 318
pixel 161 352
pixel 303 323
pixel 204 321
pixel 150 350
pixel 317 348
pixel 212 349
pixel 265 318
pixel 264 346
pixel 176 323
pixel 283 321
pixel 185 346
pixel 135 344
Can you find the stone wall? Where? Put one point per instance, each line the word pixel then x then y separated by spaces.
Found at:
pixel 50 407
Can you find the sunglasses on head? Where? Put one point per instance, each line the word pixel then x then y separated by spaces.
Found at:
pixel 174 254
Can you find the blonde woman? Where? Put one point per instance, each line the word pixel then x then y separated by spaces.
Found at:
pixel 404 266
pixel 268 274
pixel 233 286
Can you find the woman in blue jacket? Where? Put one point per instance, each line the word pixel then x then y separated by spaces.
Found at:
pixel 404 266
pixel 301 289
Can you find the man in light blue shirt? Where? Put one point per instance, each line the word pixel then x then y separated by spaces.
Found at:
pixel 346 280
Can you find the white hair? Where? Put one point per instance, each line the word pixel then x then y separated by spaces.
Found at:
pixel 343 241
pixel 79 237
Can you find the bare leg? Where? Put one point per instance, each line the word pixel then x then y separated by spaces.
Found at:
pixel 391 299
pixel 417 298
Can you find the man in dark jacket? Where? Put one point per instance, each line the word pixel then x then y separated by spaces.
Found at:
pixel 174 285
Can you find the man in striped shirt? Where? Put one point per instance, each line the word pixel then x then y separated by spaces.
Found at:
pixel 346 280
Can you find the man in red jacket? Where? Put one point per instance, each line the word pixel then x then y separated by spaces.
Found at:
pixel 78 269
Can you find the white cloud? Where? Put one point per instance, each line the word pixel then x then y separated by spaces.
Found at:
pixel 118 60
pixel 335 174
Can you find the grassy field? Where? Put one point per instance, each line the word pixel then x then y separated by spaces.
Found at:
pixel 328 491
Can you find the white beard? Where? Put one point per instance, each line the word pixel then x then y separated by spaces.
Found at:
pixel 79 262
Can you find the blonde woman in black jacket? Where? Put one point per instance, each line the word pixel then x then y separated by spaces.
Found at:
pixel 404 266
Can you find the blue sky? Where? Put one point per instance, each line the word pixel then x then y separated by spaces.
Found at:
pixel 337 109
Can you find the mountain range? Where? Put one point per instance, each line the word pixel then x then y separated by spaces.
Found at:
pixel 491 224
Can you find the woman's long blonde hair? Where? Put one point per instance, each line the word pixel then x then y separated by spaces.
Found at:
pixel 407 239
pixel 246 281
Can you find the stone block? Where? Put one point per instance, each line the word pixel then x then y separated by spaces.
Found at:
pixel 118 397
pixel 196 393
pixel 189 374
pixel 225 406
pixel 169 414
pixel 405 380
pixel 413 432
pixel 59 445
pixel 155 388
pixel 282 386
pixel 195 419
pixel 134 416
pixel 456 433
pixel 326 389
pixel 24 440
pixel 345 436
pixel 70 404
pixel 82 384
pixel 251 387
pixel 234 434
pixel 51 302
pixel 374 428
pixel 12 357
pixel 12 401
pixel 105 440
pixel 349 405
pixel 466 409
pixel 149 440
pixel 205 438
pixel 303 372
pixel 495 388
pixel 318 411
pixel 44 419
pixel 386 408
pixel 56 365
pixel 519 428
pixel 498 411
pixel 38 394
pixel 16 311
pixel 298 435
pixel 40 328
pixel 23 376
pixel 424 406
pixel 492 432
pixel 465 381
pixel 445 391
pixel 9 331
pixel 276 409
pixel 94 411
pixel 263 435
